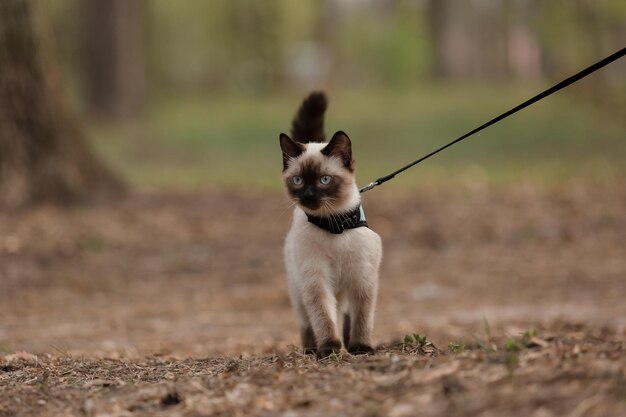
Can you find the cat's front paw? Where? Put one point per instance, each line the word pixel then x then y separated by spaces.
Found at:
pixel 361 349
pixel 328 348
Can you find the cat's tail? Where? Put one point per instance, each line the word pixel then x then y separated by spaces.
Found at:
pixel 308 124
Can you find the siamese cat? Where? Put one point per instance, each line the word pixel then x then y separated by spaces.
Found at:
pixel 332 257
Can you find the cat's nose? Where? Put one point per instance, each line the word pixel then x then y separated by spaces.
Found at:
pixel 308 192
pixel 309 198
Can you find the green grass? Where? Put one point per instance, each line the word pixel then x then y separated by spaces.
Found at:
pixel 456 347
pixel 233 141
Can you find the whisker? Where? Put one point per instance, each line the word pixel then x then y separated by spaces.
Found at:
pixel 332 218
pixel 293 203
pixel 337 217
pixel 329 207
pixel 342 216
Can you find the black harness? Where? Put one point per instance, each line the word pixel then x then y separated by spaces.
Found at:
pixel 340 222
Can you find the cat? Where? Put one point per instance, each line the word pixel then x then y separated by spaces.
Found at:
pixel 331 255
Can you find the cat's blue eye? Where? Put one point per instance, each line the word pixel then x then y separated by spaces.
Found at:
pixel 296 180
pixel 325 179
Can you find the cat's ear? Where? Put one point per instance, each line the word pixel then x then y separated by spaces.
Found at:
pixel 291 149
pixel 340 147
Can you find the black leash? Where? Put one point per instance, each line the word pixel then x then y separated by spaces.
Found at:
pixel 606 61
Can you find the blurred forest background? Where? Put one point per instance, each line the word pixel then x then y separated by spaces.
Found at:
pixel 517 233
pixel 194 94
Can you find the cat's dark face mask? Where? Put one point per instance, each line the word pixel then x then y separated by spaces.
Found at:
pixel 313 185
pixel 309 197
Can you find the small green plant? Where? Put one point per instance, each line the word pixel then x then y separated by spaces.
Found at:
pixel 483 344
pixel 486 345
pixel 527 336
pixel 417 342
pixel 512 345
pixel 42 381
pixel 420 340
pixel 334 357
pixel 456 347
pixel 511 361
pixel 415 339
pixel 487 330
pixel 517 344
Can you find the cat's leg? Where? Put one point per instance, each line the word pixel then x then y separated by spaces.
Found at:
pixel 362 303
pixel 342 308
pixel 321 308
pixel 346 330
pixel 307 337
pixel 309 343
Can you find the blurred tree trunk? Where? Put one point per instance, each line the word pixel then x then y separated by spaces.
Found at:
pixel 436 14
pixel 43 153
pixel 255 44
pixel 453 39
pixel 598 26
pixel 113 56
pixel 524 48
pixel 325 32
pixel 482 39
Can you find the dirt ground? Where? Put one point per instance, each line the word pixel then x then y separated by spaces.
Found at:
pixel 176 304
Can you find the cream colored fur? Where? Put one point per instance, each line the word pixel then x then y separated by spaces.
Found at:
pixel 332 273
